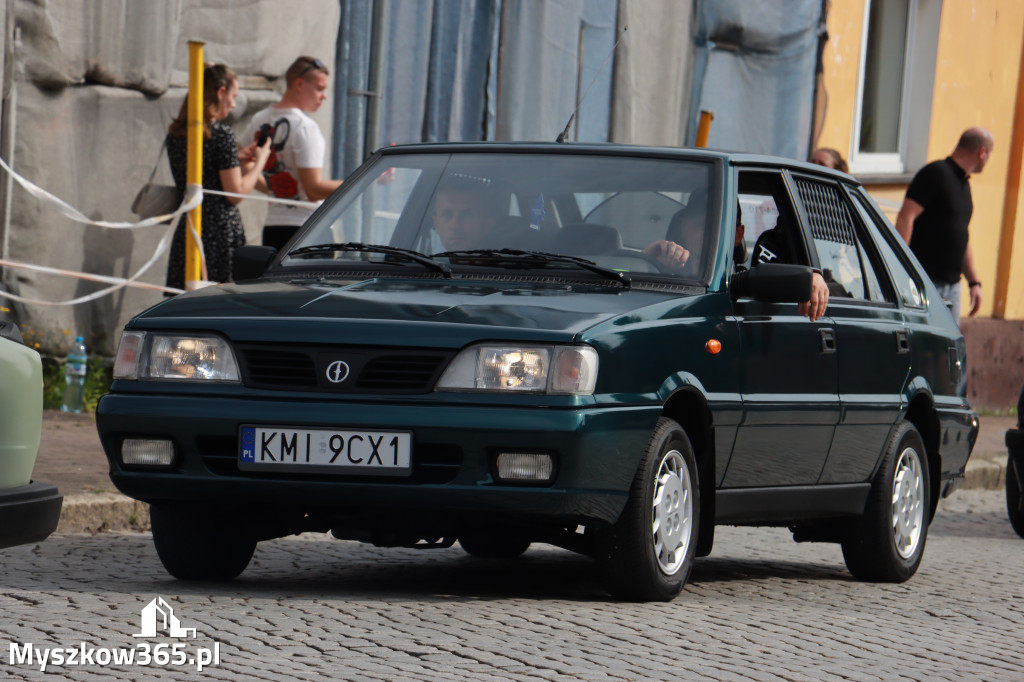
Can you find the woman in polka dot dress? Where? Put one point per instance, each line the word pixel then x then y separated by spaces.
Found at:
pixel 222 223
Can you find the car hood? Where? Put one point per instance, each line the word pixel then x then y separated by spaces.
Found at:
pixel 557 311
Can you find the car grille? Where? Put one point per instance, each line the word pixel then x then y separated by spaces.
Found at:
pixel 285 367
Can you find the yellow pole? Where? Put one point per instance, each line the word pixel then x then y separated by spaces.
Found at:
pixel 194 166
pixel 1009 222
pixel 704 127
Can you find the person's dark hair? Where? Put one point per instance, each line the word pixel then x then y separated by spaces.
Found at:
pixel 739 250
pixel 838 162
pixel 695 211
pixel 469 184
pixel 304 67
pixel 215 77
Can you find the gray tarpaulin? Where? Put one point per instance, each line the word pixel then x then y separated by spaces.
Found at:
pixel 551 53
pixel 754 70
pixel 652 73
pixel 435 64
pixel 470 70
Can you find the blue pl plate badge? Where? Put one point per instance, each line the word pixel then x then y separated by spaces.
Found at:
pixel 248 444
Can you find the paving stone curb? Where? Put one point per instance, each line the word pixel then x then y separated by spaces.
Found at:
pixel 96 513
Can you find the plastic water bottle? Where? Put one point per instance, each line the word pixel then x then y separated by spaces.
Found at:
pixel 537 212
pixel 74 376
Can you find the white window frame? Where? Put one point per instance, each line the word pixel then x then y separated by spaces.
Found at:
pixel 921 47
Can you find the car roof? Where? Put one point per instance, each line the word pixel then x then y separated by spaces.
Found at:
pixel 613 148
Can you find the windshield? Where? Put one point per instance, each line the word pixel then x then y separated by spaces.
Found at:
pixel 500 210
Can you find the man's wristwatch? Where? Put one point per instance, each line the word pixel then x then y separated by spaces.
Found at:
pixel 973 284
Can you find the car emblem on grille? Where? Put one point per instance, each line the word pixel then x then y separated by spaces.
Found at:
pixel 337 371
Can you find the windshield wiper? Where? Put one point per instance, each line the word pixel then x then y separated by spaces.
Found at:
pixel 409 254
pixel 518 255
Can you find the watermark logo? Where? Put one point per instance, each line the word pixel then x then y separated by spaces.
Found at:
pixel 158 613
pixel 158 620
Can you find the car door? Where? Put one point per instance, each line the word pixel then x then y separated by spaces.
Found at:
pixel 789 367
pixel 872 340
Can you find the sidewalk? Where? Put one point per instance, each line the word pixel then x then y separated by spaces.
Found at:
pixel 71 457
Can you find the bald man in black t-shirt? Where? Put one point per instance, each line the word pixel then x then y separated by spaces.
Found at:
pixel 936 212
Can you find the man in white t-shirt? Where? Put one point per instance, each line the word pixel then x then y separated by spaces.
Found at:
pixel 295 168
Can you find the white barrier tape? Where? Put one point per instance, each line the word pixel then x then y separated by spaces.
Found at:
pixel 190 201
pixel 161 247
pixel 83 275
pixel 193 198
pixel 263 197
pixel 198 241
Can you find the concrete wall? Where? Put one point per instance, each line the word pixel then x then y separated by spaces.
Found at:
pixel 95 86
pixel 995 362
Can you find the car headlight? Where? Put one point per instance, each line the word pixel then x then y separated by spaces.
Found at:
pixel 564 370
pixel 174 357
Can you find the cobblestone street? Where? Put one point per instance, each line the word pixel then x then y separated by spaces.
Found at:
pixel 761 607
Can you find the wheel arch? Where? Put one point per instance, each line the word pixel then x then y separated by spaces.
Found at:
pixel 921 413
pixel 689 408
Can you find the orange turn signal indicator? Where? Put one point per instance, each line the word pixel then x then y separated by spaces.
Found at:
pixel 713 346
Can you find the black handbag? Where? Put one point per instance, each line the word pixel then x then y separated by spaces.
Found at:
pixel 156 199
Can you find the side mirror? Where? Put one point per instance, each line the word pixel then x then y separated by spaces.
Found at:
pixel 251 261
pixel 9 330
pixel 773 283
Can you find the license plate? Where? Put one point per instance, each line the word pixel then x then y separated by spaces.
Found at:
pixel 338 451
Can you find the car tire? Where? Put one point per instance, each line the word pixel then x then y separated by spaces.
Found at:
pixel 500 544
pixel 197 544
pixel 647 555
pixel 887 543
pixel 1013 501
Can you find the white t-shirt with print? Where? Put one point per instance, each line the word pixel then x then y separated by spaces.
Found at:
pixel 302 146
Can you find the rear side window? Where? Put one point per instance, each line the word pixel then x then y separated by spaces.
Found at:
pixel 845 262
pixel 906 284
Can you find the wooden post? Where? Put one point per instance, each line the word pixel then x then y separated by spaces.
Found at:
pixel 704 127
pixel 194 167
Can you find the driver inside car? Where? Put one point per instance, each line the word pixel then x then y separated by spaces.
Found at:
pixel 463 217
pixel 684 239
pixel 688 227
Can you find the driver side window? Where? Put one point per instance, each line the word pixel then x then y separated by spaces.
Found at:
pixel 770 232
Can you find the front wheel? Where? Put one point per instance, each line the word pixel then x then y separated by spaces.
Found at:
pixel 648 553
pixel 197 543
pixel 887 543
pixel 1014 474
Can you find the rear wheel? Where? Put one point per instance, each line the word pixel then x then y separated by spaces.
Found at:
pixel 198 543
pixel 887 543
pixel 648 553
pixel 1014 474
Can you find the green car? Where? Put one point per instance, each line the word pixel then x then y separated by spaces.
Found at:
pixel 606 348
pixel 29 510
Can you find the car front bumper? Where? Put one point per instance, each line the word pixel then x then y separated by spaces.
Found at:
pixel 28 513
pixel 596 451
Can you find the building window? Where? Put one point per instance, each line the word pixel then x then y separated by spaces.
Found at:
pixel 894 92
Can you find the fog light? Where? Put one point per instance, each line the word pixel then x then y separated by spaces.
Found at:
pixel 149 452
pixel 525 466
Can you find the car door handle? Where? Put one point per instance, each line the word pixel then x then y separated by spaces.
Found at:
pixel 902 341
pixel 828 340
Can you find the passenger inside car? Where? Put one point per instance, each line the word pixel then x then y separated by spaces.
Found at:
pixel 773 247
